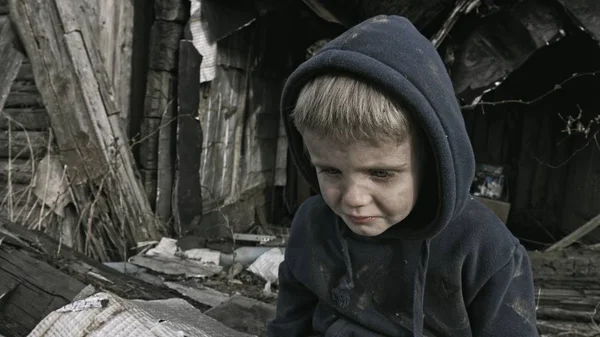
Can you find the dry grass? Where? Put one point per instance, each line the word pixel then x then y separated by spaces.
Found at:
pixel 87 223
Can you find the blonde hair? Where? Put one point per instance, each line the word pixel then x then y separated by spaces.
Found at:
pixel 348 109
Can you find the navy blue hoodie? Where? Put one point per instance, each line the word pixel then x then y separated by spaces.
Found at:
pixel 451 268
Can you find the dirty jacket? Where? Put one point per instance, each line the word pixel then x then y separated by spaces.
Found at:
pixel 451 268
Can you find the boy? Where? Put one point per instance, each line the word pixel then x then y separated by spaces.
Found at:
pixel 393 245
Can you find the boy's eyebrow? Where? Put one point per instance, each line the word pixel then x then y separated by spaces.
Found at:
pixel 376 166
pixel 386 167
pixel 316 163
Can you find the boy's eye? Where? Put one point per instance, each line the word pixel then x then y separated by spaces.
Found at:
pixel 380 174
pixel 330 171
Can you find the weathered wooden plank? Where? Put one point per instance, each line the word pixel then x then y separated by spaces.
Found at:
pixel 160 94
pixel 170 10
pixel 577 234
pixel 19 170
pixel 112 22
pixel 165 163
pixel 584 12
pixel 244 314
pixel 566 291
pixel 3 7
pixel 261 131
pixel 149 179
pixel 14 196
pixel 23 144
pixel 149 143
pixel 544 151
pixel 76 88
pixel 24 93
pixel 11 59
pixel 31 119
pixel 221 115
pixel 157 135
pixel 563 328
pixel 45 274
pixel 580 187
pixel 187 201
pixel 204 295
pixel 37 290
pixel 164 39
pixel 24 99
pixel 462 8
pixel 530 133
pixel 280 177
pixel 25 73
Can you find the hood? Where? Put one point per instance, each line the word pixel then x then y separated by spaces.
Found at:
pixel 389 52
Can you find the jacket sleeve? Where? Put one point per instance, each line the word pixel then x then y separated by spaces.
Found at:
pixel 505 305
pixel 295 306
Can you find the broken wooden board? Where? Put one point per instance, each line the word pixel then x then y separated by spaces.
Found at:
pixel 34 266
pixel 158 137
pixel 175 266
pixel 79 98
pixel 170 10
pixel 19 171
pixel 577 234
pixel 11 58
pixel 164 39
pixel 567 291
pixel 244 314
pixel 187 191
pixel 24 95
pixel 486 55
pixel 30 119
pixel 30 290
pixel 77 265
pixel 23 144
pixel 585 15
pixel 113 25
pixel 200 294
pixel 3 7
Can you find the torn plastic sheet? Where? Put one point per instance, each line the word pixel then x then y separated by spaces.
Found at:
pixel 213 20
pixel 167 258
pixel 501 43
pixel 167 247
pixel 176 266
pixel 206 46
pixel 267 265
pixel 585 13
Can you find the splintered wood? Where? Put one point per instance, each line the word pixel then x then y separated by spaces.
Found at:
pixel 11 59
pixel 84 115
pixel 567 292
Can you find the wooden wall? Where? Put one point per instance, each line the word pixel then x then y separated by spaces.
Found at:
pixel 24 124
pixel 239 114
pixel 552 176
pixel 113 21
pixel 25 131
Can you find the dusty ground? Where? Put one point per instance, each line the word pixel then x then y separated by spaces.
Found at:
pixel 245 284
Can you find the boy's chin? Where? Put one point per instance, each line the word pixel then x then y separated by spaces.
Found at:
pixel 367 230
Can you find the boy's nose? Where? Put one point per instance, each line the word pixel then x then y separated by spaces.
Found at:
pixel 354 196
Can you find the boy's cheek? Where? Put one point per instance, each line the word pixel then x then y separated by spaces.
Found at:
pixel 330 194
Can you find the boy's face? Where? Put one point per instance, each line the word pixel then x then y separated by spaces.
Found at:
pixel 370 186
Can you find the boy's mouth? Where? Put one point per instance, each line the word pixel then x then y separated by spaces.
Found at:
pixel 361 220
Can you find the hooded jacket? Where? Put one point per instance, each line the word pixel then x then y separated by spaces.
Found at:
pixel 451 268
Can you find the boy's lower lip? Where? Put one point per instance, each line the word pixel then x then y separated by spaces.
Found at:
pixel 363 220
